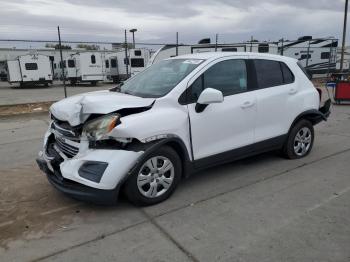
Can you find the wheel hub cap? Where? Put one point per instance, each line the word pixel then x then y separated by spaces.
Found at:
pixel 155 176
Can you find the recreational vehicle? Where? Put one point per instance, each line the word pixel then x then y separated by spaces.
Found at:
pixel 85 67
pixel 168 51
pixel 30 69
pixel 136 62
pixel 318 56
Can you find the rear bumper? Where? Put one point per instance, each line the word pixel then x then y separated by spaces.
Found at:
pixel 77 190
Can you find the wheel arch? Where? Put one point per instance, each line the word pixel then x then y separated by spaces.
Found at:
pixel 313 115
pixel 173 142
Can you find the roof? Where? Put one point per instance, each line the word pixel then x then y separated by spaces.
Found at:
pixel 215 55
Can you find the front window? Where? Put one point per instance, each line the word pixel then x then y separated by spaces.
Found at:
pixel 160 78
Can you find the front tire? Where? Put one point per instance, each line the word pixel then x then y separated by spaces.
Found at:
pixel 155 178
pixel 300 140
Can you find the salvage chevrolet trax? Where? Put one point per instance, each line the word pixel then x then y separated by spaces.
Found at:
pixel 178 116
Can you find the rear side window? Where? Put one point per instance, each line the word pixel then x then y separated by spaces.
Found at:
pixel 137 62
pixel 93 59
pixel 268 73
pixel 31 66
pixel 288 76
pixel 71 63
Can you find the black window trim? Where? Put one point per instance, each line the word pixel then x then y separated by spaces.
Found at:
pixel 256 75
pixel 284 81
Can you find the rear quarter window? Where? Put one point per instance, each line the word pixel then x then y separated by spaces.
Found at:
pixel 288 76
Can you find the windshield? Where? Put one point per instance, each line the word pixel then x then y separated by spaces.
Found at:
pixel 160 78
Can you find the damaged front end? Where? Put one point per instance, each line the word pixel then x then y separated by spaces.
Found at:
pixel 83 160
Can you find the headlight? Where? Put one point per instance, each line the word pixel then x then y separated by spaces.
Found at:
pixel 96 129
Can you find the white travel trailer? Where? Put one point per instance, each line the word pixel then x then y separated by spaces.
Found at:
pixel 318 56
pixel 85 67
pixel 30 69
pixel 168 51
pixel 136 62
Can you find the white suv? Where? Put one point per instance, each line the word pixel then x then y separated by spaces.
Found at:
pixel 178 116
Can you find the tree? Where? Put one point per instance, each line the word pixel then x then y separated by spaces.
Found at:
pixel 57 46
pixel 88 47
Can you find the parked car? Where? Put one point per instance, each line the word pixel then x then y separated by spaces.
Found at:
pixel 176 117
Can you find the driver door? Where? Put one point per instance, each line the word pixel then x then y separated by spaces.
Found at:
pixel 222 127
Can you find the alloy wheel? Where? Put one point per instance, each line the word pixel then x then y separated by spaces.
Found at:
pixel 155 176
pixel 302 141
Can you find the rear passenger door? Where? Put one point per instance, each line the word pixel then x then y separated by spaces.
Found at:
pixel 276 99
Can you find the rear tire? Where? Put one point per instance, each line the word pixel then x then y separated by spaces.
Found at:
pixel 155 178
pixel 300 140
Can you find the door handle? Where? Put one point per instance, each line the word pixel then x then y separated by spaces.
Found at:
pixel 292 91
pixel 247 104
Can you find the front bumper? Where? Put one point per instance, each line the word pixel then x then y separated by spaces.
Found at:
pixel 76 190
pixel 73 175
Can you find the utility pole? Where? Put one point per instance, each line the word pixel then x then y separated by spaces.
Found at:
pixel 133 36
pixel 216 42
pixel 251 44
pixel 344 35
pixel 126 60
pixel 177 44
pixel 282 46
pixel 307 55
pixel 62 64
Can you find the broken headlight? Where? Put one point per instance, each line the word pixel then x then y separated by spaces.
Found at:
pixel 98 128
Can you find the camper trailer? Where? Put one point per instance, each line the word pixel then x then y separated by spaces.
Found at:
pixel 170 50
pixel 30 69
pixel 136 62
pixel 84 67
pixel 318 56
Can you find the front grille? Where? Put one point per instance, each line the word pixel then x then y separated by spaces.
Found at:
pixel 67 138
pixel 66 148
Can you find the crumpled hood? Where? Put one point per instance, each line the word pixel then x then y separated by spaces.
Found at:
pixel 76 109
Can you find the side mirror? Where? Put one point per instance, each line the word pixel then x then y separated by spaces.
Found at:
pixel 208 96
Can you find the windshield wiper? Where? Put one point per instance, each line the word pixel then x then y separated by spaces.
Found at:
pixel 117 88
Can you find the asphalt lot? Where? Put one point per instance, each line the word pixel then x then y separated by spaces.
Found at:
pixel 13 94
pixel 264 208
